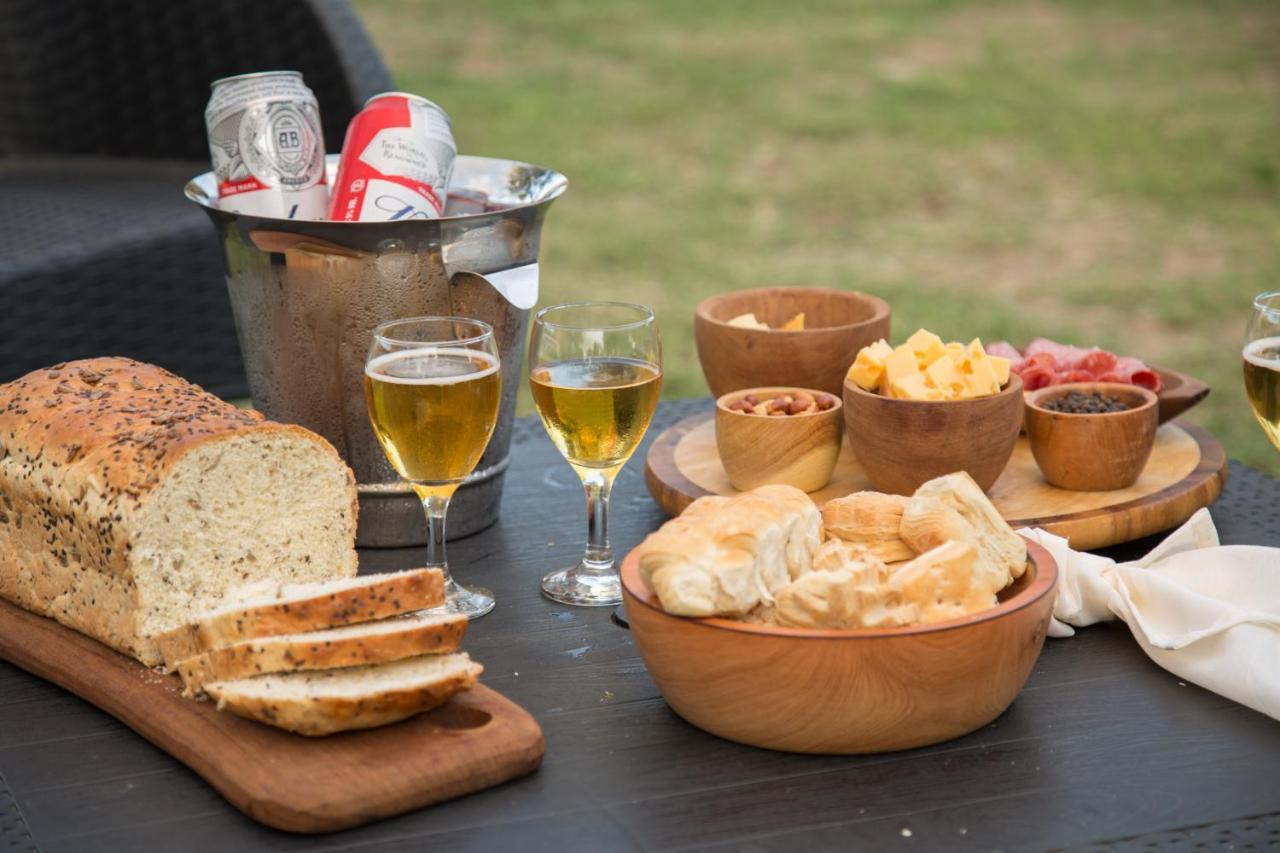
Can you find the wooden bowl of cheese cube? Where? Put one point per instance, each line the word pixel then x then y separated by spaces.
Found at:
pixel 797 337
pixel 925 408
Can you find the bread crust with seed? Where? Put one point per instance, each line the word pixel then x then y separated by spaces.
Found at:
pixel 318 716
pixel 84 447
pixel 398 593
pixel 298 652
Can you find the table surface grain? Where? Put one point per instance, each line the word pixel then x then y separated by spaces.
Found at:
pixel 1102 749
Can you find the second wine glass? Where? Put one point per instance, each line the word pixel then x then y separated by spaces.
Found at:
pixel 595 369
pixel 432 386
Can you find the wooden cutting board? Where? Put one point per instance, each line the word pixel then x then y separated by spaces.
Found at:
pixel 1187 470
pixel 475 741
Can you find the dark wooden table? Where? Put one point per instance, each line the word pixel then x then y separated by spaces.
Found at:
pixel 1102 748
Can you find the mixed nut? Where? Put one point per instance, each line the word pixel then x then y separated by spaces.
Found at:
pixel 787 403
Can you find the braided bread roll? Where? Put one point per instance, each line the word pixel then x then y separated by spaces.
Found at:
pixel 725 556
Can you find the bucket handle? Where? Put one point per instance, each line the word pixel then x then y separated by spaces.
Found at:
pixel 518 285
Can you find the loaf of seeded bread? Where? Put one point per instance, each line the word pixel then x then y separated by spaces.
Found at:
pixel 334 700
pixel 268 610
pixel 131 500
pixel 425 632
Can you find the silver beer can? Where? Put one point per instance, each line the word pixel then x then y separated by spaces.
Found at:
pixel 267 146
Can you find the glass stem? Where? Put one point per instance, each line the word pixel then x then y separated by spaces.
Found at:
pixel 598 558
pixel 436 505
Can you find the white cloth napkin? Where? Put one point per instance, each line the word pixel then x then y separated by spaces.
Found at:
pixel 1208 613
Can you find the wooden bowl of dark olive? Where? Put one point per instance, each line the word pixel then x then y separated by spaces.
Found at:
pixel 1091 436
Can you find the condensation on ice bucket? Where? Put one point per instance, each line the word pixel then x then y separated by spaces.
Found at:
pixel 307 295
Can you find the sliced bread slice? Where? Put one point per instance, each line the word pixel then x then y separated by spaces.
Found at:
pixel 271 610
pixel 421 633
pixel 361 697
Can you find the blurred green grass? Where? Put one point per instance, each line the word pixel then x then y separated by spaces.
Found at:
pixel 1099 172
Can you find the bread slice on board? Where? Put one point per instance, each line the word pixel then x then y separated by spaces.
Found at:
pixel 334 700
pixel 422 633
pixel 273 610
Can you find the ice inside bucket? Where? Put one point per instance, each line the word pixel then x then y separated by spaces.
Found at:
pixel 307 295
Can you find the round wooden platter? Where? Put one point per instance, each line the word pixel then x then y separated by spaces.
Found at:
pixel 1187 470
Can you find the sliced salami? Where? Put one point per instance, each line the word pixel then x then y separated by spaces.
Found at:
pixel 1045 362
pixel 1137 373
pixel 1097 362
pixel 1004 349
pixel 1035 377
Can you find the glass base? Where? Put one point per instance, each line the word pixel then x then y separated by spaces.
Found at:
pixel 470 601
pixel 583 589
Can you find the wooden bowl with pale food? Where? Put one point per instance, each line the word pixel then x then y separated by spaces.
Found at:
pixel 1092 451
pixel 798 449
pixel 844 691
pixel 837 323
pixel 901 444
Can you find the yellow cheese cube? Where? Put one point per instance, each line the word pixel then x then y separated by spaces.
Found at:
pixel 899 364
pixel 944 376
pixel 1000 366
pixel 926 346
pixel 795 324
pixel 747 321
pixel 868 368
pixel 912 386
pixel 982 377
pixel 955 348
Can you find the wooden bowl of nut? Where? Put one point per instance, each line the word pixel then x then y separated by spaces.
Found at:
pixel 799 337
pixel 1091 436
pixel 756 680
pixel 779 435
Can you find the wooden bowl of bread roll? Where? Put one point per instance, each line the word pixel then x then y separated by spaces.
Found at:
pixel 921 676
pixel 836 324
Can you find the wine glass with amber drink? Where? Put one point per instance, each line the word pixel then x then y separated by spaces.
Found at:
pixel 1262 363
pixel 432 386
pixel 595 369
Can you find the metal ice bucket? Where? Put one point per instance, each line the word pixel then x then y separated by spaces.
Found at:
pixel 307 295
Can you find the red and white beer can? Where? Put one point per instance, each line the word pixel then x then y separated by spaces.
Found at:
pixel 267 146
pixel 396 161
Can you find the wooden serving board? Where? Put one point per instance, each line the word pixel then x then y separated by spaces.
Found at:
pixel 475 741
pixel 1178 393
pixel 1187 470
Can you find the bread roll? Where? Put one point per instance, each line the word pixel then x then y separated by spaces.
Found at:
pixel 853 596
pixel 724 557
pixel 945 583
pixel 693 576
pixel 954 508
pixel 839 554
pixel 871 519
pixel 802 523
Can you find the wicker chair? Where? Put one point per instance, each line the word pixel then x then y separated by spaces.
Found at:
pixel 101 125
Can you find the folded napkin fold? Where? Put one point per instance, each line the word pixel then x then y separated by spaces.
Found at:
pixel 1208 613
